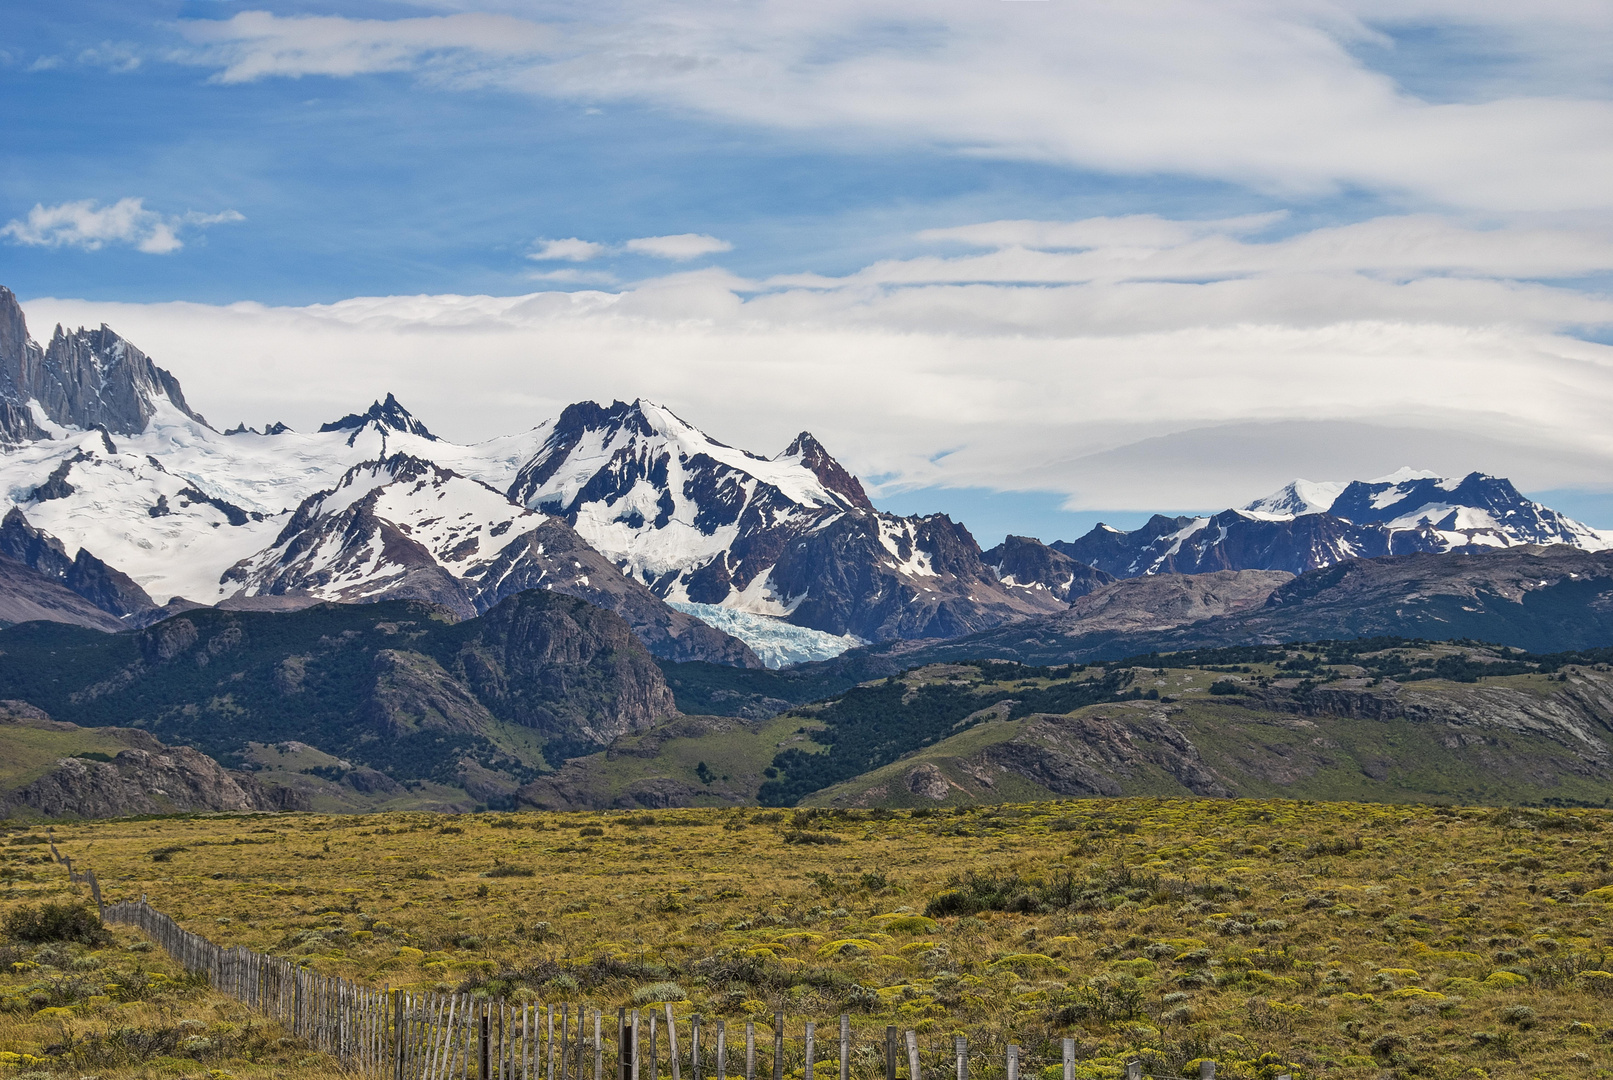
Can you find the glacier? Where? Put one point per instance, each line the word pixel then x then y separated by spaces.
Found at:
pixel 776 642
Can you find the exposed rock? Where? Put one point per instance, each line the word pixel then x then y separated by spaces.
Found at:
pixel 82 379
pixel 27 595
pixel 1024 563
pixel 927 780
pixel 563 666
pixel 146 778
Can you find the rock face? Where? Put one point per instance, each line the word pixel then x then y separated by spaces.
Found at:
pixel 559 664
pixel 145 778
pixel 83 379
pixel 172 779
pixel 27 595
pixel 1021 562
pixel 104 588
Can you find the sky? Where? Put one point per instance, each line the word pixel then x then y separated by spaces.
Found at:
pixel 1034 263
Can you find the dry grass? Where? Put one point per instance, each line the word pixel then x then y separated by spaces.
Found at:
pixel 1320 939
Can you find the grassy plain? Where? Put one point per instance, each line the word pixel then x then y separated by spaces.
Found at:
pixel 1320 939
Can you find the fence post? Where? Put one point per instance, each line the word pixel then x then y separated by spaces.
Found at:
pixel 845 1046
pixel 722 1050
pixel 1134 1069
pixel 634 1044
pixel 811 1047
pixel 890 1053
pixel 960 1047
pixel 694 1047
pixel 487 1058
pixel 1013 1061
pixel 913 1055
pixel 397 1034
pixel 750 1050
pixel 1207 1069
pixel 672 1041
pixel 778 1046
pixel 621 1043
pixel 599 1048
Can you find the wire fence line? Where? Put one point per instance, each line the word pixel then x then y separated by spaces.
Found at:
pixel 428 1035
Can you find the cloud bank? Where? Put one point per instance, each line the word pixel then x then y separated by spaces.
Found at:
pixel 1125 362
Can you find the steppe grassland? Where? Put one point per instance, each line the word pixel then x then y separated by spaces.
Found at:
pixel 1318 939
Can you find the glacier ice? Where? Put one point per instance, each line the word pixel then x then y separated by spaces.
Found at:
pixel 778 643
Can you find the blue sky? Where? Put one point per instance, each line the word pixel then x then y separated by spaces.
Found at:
pixel 1321 239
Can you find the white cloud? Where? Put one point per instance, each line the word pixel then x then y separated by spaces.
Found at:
pixel 257 44
pixel 568 250
pixel 680 247
pixel 1278 95
pixel 1120 389
pixel 87 224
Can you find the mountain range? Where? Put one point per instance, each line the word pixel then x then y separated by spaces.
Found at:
pixel 125 507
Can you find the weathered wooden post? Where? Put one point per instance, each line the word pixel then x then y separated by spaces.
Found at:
pixel 486 1057
pixel 694 1047
pixel 845 1046
pixel 621 1043
pixel 1013 1061
pixel 1207 1069
pixel 633 1067
pixel 778 1046
pixel 722 1050
pixel 1134 1069
pixel 960 1047
pixel 913 1055
pixel 750 1050
pixel 672 1040
pixel 810 1049
pixel 890 1053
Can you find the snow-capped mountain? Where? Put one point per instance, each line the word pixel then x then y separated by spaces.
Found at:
pixel 792 536
pixel 119 492
pixel 626 505
pixel 1307 525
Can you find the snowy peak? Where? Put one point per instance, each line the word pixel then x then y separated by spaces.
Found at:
pixel 388 415
pixel 1308 525
pixel 810 454
pixel 1296 498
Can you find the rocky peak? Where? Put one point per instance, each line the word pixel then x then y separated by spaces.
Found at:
pixel 82 379
pixel 810 453
pixel 388 415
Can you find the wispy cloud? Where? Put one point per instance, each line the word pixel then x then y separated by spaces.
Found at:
pixel 88 225
pixel 678 248
pixel 257 44
pixel 1280 96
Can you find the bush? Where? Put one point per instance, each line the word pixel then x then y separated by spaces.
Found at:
pixel 506 870
pixel 661 991
pixel 1225 686
pixel 56 922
